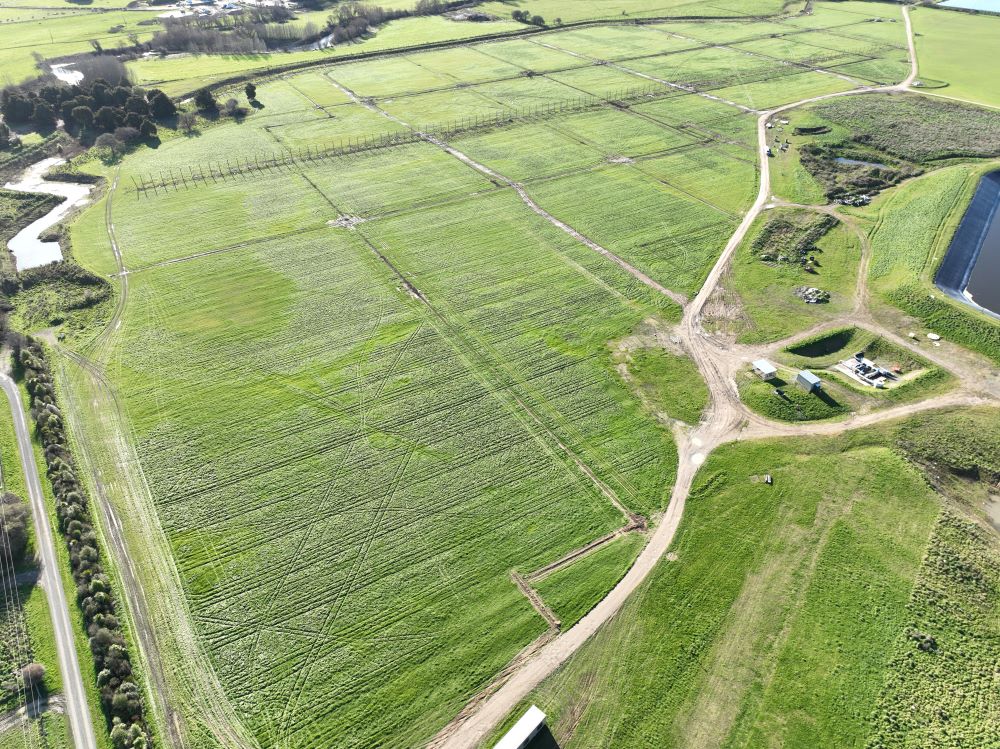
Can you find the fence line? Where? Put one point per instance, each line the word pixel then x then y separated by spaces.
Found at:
pixel 235 166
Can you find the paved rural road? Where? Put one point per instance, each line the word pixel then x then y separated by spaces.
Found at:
pixel 725 421
pixel 75 698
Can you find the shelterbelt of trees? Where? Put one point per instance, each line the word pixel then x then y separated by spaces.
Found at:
pixel 120 696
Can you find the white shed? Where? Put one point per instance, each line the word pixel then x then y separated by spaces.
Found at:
pixel 764 369
pixel 521 734
pixel 808 381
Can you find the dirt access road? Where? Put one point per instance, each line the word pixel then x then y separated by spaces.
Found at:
pixel 727 420
pixel 75 705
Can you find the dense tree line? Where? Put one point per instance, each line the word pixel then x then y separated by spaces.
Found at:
pixel 265 28
pixel 119 692
pixel 523 16
pixel 88 108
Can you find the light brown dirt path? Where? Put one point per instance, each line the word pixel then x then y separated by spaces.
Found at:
pixel 727 419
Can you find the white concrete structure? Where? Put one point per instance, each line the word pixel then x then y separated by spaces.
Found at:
pixel 523 731
pixel 866 371
pixel 764 369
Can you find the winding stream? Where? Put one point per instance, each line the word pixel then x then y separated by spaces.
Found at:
pixel 30 251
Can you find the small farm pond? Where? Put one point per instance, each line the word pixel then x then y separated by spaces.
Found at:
pixel 970 270
pixel 856 162
pixel 991 6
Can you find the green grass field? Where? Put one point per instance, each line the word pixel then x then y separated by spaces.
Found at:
pixel 668 382
pixel 765 288
pixel 356 392
pixel 61 35
pixel 951 47
pixel 571 592
pixel 788 580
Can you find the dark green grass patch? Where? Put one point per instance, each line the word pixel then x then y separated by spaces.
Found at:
pixel 828 344
pixel 573 591
pixel 941 688
pixel 670 383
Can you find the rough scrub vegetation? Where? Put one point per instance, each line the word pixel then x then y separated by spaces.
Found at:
pixel 892 138
pixel 941 689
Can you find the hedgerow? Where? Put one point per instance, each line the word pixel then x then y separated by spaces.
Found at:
pixel 119 692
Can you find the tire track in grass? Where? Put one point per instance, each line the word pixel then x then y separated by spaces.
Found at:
pixel 290 713
pixel 724 422
pixel 522 193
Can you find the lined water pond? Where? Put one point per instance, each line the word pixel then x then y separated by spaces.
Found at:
pixel 970 271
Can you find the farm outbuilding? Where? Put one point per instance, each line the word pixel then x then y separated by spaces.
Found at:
pixel 522 732
pixel 808 381
pixel 764 369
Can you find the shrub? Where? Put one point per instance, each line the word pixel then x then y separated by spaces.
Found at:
pixel 205 101
pixel 14 523
pixel 127 135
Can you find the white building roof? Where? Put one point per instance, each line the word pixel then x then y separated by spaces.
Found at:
pixel 806 376
pixel 764 366
pixel 523 730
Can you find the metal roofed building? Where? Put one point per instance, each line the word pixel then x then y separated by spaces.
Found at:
pixel 764 369
pixel 523 731
pixel 808 381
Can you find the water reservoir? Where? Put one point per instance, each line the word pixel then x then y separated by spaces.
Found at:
pixel 990 6
pixel 970 271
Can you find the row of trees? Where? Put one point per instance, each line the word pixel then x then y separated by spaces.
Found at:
pixel 120 695
pixel 523 16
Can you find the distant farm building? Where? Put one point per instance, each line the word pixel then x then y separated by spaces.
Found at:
pixel 808 381
pixel 523 731
pixel 764 369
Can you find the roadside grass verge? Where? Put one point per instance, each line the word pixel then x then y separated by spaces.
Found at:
pixel 667 381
